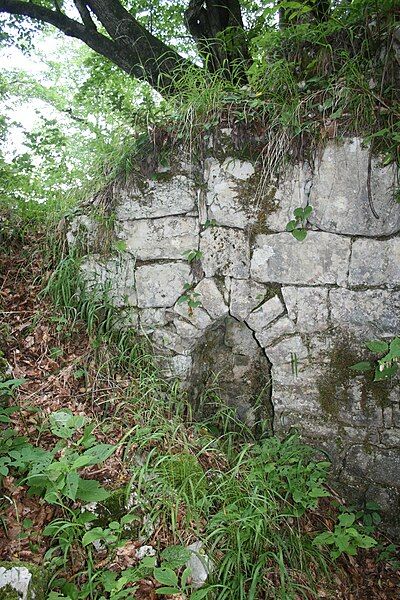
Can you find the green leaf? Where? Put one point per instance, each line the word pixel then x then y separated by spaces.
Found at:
pixel 175 556
pixel 93 535
pixel 347 519
pixel 385 372
pixel 299 213
pixel 90 490
pixel 168 590
pixel 377 346
pixel 299 234
pixel 71 485
pixel 307 211
pixel 361 366
pixel 166 576
pixel 95 455
pixel 63 424
pixel 291 225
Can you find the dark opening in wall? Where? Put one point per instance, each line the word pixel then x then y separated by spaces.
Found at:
pixel 230 365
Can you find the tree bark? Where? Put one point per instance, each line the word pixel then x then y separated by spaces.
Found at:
pixel 130 46
pixel 206 20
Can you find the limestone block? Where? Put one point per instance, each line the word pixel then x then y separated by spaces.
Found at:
pixel 307 307
pixel 225 252
pixel 238 169
pixel 265 314
pixel 339 193
pixel 177 196
pixel 366 314
pixel 245 296
pixel 226 202
pixel 23 581
pixel 375 262
pixel 167 339
pixel 187 330
pixel 178 366
pixel 165 238
pixel 286 350
pixel 272 333
pixel 322 258
pixel 240 338
pixel 162 284
pixel 211 298
pixel 150 318
pixel 115 276
pixel 291 193
pixel 197 316
pixel 82 228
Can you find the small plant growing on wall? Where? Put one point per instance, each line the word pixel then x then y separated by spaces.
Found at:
pixel 190 297
pixel 192 255
pixel 297 226
pixel 387 365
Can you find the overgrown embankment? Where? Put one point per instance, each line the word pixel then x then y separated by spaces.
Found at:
pixel 91 420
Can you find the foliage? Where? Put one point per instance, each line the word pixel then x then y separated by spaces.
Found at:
pixel 346 537
pixel 384 367
pixel 190 297
pixel 297 226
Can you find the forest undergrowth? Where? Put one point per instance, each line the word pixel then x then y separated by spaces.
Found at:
pixel 86 417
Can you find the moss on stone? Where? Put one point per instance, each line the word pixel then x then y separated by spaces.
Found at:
pixel 38 584
pixel 335 387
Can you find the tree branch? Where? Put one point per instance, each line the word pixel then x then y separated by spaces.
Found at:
pixel 85 14
pixel 132 47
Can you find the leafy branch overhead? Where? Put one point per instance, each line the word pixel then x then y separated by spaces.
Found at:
pixel 112 29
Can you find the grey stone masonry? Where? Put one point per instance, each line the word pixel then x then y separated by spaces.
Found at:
pixel 231 299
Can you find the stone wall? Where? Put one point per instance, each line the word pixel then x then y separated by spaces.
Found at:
pixel 273 322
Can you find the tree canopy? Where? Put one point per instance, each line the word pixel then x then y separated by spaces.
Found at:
pixel 118 31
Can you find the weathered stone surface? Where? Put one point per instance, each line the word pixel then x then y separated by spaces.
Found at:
pixel 290 194
pixel 307 307
pixel 114 276
pixel 272 333
pixel 197 316
pixel 81 228
pixel 286 350
pixel 375 262
pixel 246 295
pixel 211 298
pixel 22 581
pixel 225 252
pixel 366 314
pixel 200 565
pixel 151 318
pixel 339 193
pixel 240 338
pixel 265 314
pixel 166 238
pixel 178 366
pixel 226 202
pixel 162 284
pixel 321 258
pixel 176 196
pixel 168 339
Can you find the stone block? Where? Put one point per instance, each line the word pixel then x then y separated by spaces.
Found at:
pixel 196 316
pixel 273 333
pixel 322 258
pixel 246 295
pixel 177 196
pixel 151 318
pixel 240 338
pixel 265 314
pixel 307 307
pixel 285 350
pixel 211 298
pixel 366 313
pixel 290 194
pixel 22 580
pixel 375 262
pixel 339 193
pixel 160 285
pixel 114 276
pixel 163 238
pixel 225 252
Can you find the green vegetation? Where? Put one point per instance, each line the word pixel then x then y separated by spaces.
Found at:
pixel 252 503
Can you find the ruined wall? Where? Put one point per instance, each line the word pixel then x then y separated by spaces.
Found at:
pixel 273 322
